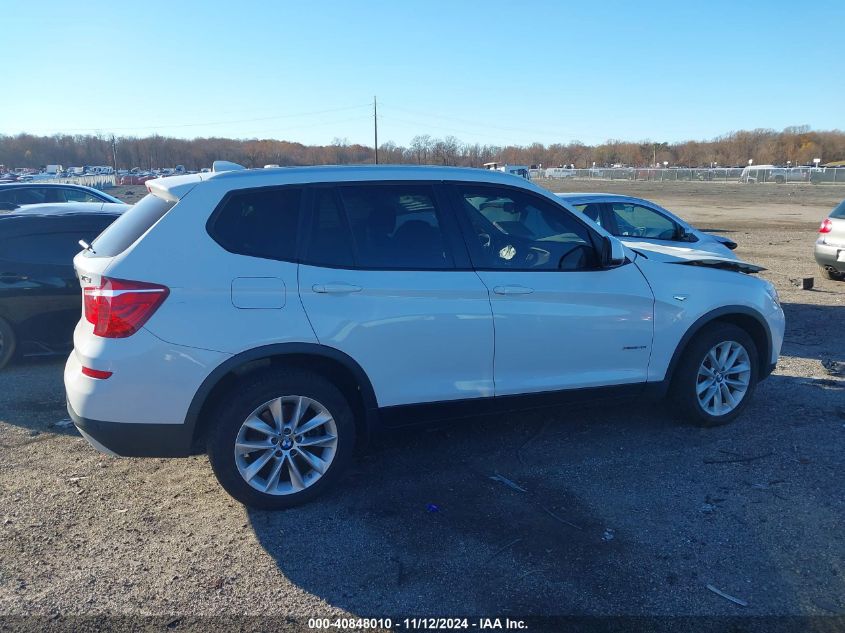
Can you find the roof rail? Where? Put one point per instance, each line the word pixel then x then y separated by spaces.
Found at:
pixel 225 165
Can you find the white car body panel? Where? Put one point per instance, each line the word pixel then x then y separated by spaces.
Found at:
pixel 566 332
pixel 134 393
pixel 420 336
pixel 684 293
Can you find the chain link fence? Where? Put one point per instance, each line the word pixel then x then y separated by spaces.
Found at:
pixel 750 175
pixel 102 181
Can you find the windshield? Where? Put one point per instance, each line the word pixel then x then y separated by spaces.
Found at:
pixel 839 211
pixel 129 227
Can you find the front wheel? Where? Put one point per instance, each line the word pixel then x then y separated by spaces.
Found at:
pixel 282 440
pixel 717 375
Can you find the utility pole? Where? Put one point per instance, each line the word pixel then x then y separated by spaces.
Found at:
pixel 114 156
pixel 375 125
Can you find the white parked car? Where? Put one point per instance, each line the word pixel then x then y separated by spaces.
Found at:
pixel 277 318
pixel 643 224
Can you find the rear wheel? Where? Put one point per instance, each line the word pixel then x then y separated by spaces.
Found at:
pixel 716 375
pixel 830 273
pixel 282 440
pixel 8 343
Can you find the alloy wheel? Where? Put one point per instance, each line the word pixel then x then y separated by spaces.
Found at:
pixel 286 445
pixel 723 379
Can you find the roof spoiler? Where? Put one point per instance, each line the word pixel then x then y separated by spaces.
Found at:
pixel 225 165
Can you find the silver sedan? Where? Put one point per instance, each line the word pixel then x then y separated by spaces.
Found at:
pixel 644 224
pixel 830 245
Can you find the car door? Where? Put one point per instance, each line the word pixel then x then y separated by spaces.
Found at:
pixel 385 278
pixel 561 320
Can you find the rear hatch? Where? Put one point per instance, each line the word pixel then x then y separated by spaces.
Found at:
pixel 92 264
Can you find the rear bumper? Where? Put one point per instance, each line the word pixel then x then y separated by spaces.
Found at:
pixel 828 254
pixel 135 440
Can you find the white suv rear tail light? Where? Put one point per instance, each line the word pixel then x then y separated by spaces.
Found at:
pixel 118 308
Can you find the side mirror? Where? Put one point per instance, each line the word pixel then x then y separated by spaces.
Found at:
pixel 8 206
pixel 613 253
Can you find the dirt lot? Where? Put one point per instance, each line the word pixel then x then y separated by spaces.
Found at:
pixel 626 510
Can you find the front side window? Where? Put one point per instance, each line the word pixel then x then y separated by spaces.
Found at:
pixel 514 230
pixel 259 222
pixel 396 227
pixel 634 220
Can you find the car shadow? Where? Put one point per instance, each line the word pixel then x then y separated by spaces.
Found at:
pixel 452 519
pixel 812 331
pixel 607 510
pixel 708 229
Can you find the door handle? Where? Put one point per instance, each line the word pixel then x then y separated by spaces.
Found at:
pixel 336 289
pixel 513 290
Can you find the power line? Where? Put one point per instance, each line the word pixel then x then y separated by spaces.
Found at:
pixel 544 132
pixel 311 125
pixel 447 129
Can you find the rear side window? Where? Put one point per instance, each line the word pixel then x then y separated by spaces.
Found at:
pixel 592 210
pixel 839 211
pixel 396 227
pixel 330 243
pixel 77 195
pixel 130 226
pixel 259 222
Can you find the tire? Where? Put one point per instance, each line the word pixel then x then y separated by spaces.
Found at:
pixel 696 358
pixel 827 273
pixel 8 343
pixel 296 481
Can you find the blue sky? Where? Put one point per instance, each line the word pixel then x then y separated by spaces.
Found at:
pixel 497 72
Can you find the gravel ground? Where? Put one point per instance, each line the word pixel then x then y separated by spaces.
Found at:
pixel 626 510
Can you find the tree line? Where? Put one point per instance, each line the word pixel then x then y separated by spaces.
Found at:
pixel 796 145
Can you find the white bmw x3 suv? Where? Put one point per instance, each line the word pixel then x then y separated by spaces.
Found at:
pixel 278 317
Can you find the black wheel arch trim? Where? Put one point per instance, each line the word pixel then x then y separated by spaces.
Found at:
pixel 274 351
pixel 766 367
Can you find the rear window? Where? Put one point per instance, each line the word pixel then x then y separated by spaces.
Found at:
pixel 130 226
pixel 839 211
